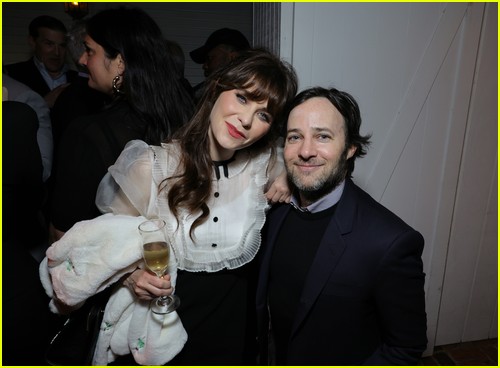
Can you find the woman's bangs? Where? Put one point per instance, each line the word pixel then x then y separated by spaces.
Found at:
pixel 260 84
pixel 265 88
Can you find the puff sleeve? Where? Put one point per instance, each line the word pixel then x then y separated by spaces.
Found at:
pixel 128 188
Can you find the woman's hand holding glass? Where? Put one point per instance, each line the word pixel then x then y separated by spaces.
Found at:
pixel 156 253
pixel 147 286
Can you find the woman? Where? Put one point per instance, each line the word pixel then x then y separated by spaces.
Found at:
pixel 209 185
pixel 127 60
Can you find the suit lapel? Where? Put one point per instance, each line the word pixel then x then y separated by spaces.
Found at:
pixel 329 253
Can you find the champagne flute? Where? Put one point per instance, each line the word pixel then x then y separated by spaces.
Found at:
pixel 156 252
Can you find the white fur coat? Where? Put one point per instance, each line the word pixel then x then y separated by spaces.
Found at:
pixel 93 255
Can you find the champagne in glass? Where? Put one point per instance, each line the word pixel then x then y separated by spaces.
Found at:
pixel 157 256
pixel 156 253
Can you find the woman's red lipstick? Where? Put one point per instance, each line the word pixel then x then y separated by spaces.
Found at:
pixel 235 133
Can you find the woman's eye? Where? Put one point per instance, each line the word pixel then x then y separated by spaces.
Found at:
pixel 265 117
pixel 241 98
pixel 292 138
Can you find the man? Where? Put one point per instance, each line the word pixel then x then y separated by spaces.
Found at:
pixel 341 276
pixel 221 47
pixel 46 72
pixel 17 91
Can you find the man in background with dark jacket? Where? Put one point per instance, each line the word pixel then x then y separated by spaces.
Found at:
pixel 46 72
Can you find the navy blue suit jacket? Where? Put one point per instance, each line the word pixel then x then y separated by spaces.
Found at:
pixel 363 301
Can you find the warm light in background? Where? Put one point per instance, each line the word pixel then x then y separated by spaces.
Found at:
pixel 76 10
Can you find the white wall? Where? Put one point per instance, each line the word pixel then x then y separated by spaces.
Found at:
pixel 470 284
pixel 189 24
pixel 425 77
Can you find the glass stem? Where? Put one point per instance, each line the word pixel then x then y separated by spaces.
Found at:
pixel 163 300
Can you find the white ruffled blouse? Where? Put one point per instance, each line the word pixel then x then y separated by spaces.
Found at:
pixel 229 238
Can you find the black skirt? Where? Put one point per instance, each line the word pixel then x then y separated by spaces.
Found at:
pixel 218 312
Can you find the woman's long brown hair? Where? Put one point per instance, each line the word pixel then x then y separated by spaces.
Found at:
pixel 267 77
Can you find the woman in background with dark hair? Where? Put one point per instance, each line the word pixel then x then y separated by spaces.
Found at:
pixel 126 58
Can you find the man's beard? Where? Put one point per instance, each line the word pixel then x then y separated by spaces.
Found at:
pixel 323 185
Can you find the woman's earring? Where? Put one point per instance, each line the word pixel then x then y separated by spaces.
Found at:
pixel 116 89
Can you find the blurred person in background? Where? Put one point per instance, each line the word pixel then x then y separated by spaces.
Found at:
pixel 46 72
pixel 126 59
pixel 78 98
pixel 221 47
